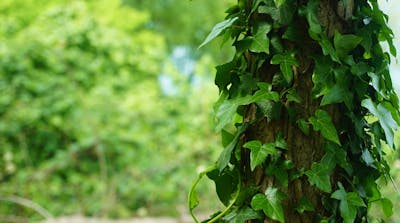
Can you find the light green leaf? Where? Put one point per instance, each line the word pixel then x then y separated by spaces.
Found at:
pixel 270 203
pixel 259 152
pixel 354 199
pixel 323 122
pixel 278 3
pixel 259 40
pixel 387 207
pixel 218 29
pixel 286 61
pixel 227 110
pixel 385 117
pixel 319 176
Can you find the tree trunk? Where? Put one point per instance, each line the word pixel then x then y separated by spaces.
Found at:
pixel 302 150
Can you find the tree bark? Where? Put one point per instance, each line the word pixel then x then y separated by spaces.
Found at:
pixel 302 150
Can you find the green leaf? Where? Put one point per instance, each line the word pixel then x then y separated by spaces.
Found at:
pixel 323 122
pixel 225 184
pixel 218 29
pixel 227 110
pixel 319 176
pixel 304 205
pixel 223 75
pixel 278 3
pixel 226 154
pixel 259 152
pixel 292 95
pixel 327 48
pixel 260 41
pixel 311 13
pixel 270 203
pixel 280 141
pixel 387 207
pixel 242 215
pixel 303 126
pixel 337 94
pixel 385 117
pixel 286 61
pixel 345 43
pixel 348 203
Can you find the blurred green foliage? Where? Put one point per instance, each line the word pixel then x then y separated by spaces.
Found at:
pixel 97 115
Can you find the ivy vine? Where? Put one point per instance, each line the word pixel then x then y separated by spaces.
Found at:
pixel 349 73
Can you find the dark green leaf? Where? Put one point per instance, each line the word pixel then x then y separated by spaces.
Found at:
pixel 242 215
pixel 303 126
pixel 223 75
pixel 304 205
pixel 348 203
pixel 345 43
pixel 226 154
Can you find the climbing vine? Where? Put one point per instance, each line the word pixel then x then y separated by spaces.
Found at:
pixel 312 71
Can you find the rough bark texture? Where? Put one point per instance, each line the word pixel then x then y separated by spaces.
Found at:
pixel 303 150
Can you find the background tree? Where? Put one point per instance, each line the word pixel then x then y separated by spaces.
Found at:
pixel 305 107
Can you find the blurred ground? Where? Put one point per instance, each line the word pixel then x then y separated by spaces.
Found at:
pixel 81 219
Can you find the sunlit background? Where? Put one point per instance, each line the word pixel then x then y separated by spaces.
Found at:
pixel 106 107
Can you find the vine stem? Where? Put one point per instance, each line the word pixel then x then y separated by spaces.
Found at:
pixel 229 207
pixel 231 204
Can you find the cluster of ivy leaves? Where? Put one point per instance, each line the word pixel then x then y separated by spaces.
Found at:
pixel 350 70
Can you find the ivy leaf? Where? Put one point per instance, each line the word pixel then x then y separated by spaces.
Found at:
pixel 319 175
pixel 304 205
pixel 218 29
pixel 227 110
pixel 311 13
pixel 303 126
pixel 226 154
pixel 387 207
pixel 327 48
pixel 260 41
pixel 385 117
pixel 242 215
pixel 348 203
pixel 223 75
pixel 323 122
pixel 270 203
pixel 345 43
pixel 259 152
pixel 337 94
pixel 280 142
pixel 286 61
pixel 225 184
pixel 278 3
